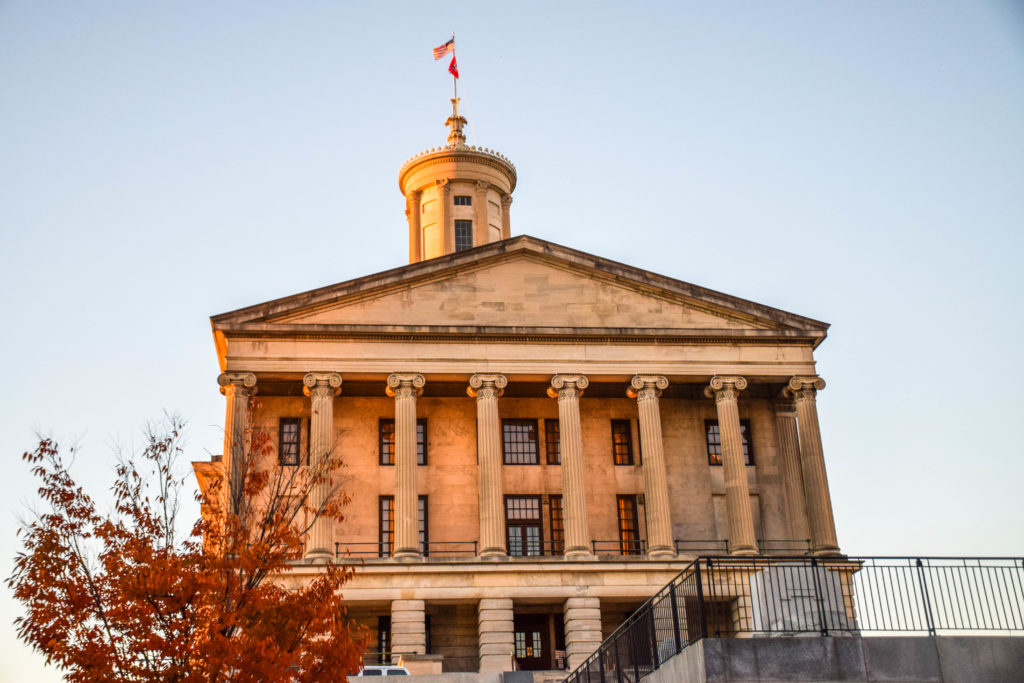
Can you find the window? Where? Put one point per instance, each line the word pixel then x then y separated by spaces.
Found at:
pixel 622 442
pixel 384 639
pixel 386 547
pixel 552 443
pixel 557 525
pixel 424 526
pixel 463 235
pixel 386 538
pixel 522 520
pixel 714 438
pixel 519 442
pixel 289 437
pixel 463 200
pixel 629 534
pixel 387 441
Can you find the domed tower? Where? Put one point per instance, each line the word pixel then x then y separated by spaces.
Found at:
pixel 457 196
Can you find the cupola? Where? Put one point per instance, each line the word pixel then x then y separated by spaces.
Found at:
pixel 457 196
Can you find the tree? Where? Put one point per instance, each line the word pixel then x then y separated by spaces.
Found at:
pixel 124 596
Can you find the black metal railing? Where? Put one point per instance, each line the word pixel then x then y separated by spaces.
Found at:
pixel 449 549
pixel 702 546
pixel 429 549
pixel 627 547
pixel 361 549
pixel 725 596
pixel 787 546
pixel 536 548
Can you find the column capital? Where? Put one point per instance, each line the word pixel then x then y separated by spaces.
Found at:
pixel 804 388
pixel 567 386
pixel 443 185
pixel 646 386
pixel 235 381
pixel 481 186
pixel 413 196
pixel 486 385
pixel 403 385
pixel 506 200
pixel 784 404
pixel 321 384
pixel 724 388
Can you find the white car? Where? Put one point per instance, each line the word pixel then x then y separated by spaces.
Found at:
pixel 383 670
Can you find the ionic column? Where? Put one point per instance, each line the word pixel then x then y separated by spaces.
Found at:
pixel 482 232
pixel 238 389
pixel 408 627
pixel 792 476
pixel 405 388
pixel 412 200
pixel 646 389
pixel 506 219
pixel 582 629
pixel 444 203
pixel 486 389
pixel 496 635
pixel 812 459
pixel 726 391
pixel 321 387
pixel 568 389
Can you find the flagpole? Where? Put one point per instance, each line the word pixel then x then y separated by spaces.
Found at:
pixel 455 81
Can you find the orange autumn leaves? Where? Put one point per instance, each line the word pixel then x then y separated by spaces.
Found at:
pixel 114 591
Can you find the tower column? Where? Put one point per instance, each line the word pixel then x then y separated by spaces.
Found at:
pixel 646 389
pixel 812 458
pixel 412 211
pixel 405 388
pixel 238 388
pixel 486 389
pixel 568 389
pixel 481 231
pixel 321 387
pixel 793 478
pixel 726 391
pixel 445 219
pixel 506 219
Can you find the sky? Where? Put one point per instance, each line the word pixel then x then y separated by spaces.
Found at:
pixel 860 163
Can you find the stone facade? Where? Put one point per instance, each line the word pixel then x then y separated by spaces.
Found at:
pixel 621 407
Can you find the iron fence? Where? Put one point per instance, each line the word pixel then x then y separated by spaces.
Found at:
pixel 800 595
pixel 627 547
pixel 383 550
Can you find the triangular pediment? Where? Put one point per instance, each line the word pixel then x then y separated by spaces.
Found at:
pixel 519 291
pixel 523 284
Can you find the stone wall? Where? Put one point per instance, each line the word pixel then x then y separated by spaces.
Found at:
pixel 950 659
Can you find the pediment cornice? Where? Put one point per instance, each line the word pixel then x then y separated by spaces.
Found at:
pixel 272 317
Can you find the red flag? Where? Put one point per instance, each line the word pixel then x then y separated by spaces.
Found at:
pixel 453 68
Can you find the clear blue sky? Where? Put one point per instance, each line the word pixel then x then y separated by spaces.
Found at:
pixel 860 163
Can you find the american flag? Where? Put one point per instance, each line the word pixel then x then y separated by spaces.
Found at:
pixel 444 49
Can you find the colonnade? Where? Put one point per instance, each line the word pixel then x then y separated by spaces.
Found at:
pixel 808 503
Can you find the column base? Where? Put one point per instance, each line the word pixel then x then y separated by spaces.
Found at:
pixel 830 551
pixel 318 556
pixel 579 554
pixel 744 551
pixel 494 555
pixel 660 552
pixel 407 555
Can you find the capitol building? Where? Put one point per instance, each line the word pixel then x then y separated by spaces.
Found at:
pixel 536 439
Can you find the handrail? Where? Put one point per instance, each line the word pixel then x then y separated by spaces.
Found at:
pixel 626 547
pixel 789 595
